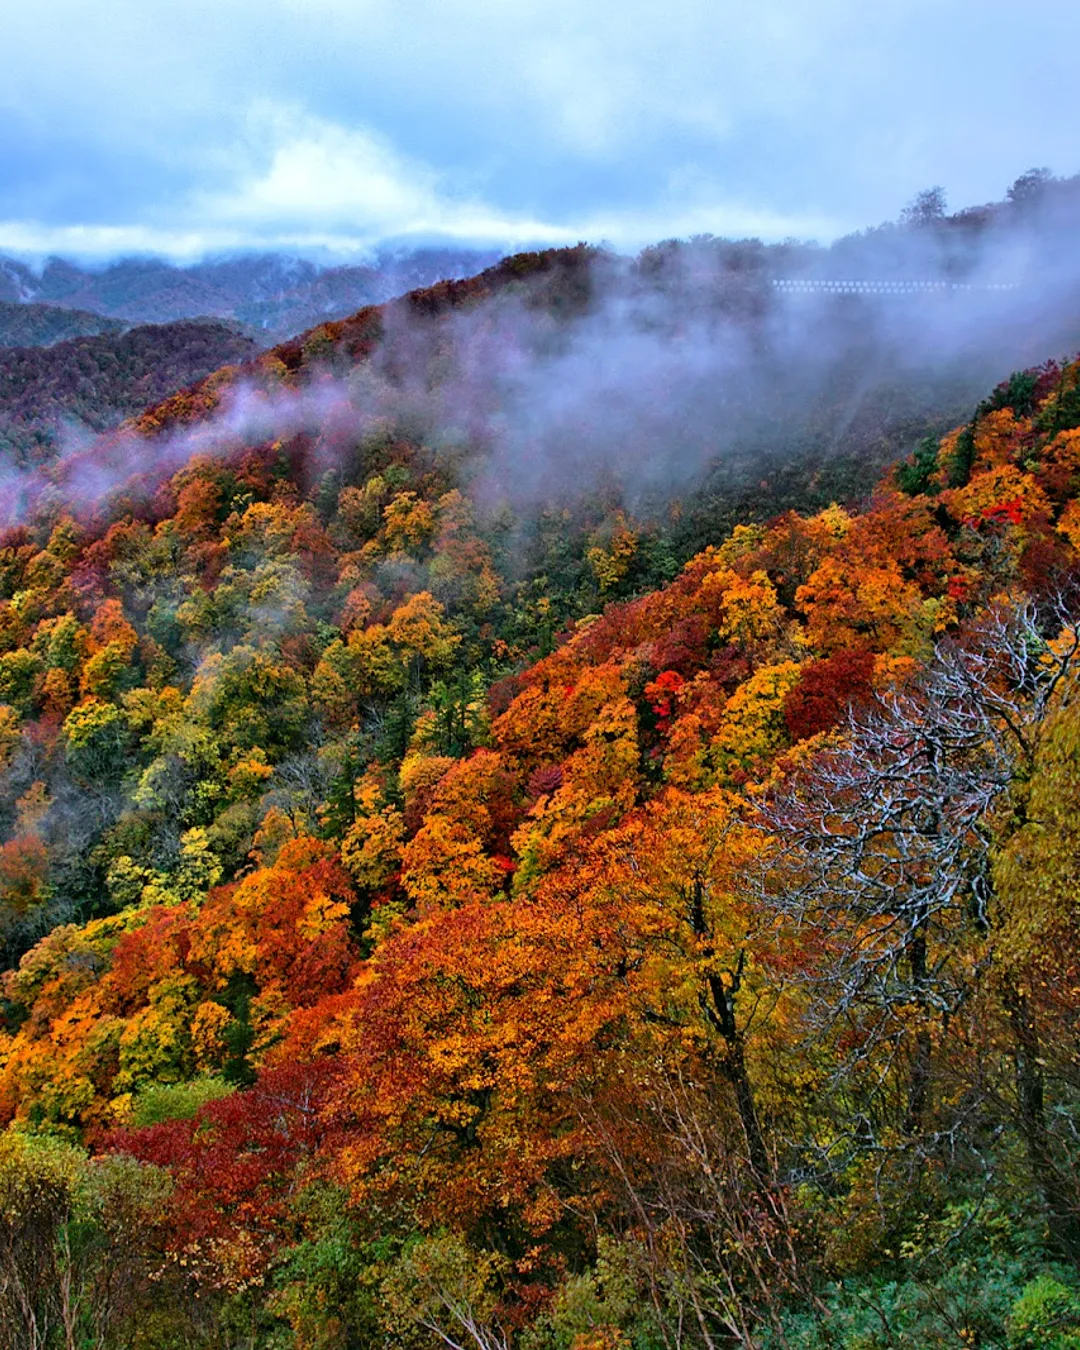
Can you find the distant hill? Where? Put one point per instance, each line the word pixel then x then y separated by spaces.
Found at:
pixel 273 293
pixel 92 383
pixel 36 325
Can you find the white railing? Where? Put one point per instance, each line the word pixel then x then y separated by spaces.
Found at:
pixel 830 286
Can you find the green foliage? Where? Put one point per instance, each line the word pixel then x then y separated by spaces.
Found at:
pixel 252 700
pixel 962 459
pixel 965 1306
pixel 1061 410
pixel 239 1034
pixel 914 475
pixel 607 1302
pixel 1017 393
pixel 60 642
pixel 1046 1316
pixel 19 671
pixel 327 1287
pixel 96 737
pixel 442 1287
pixel 459 705
pixel 78 1240
pixel 953 1281
pixel 159 1102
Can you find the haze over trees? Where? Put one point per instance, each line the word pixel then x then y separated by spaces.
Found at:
pixel 272 294
pixel 31 325
pixel 572 912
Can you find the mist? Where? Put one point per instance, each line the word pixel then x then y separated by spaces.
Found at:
pixel 647 375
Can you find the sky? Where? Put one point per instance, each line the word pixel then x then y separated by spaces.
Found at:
pixel 128 126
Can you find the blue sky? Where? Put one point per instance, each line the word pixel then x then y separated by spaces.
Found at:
pixel 131 125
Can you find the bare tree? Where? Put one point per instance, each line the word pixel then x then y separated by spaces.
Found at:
pixel 925 208
pixel 883 863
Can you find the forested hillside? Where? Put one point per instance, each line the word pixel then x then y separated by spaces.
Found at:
pixel 272 292
pixel 457 888
pixel 28 325
pixel 75 388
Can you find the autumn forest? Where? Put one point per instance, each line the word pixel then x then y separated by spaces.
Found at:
pixel 635 916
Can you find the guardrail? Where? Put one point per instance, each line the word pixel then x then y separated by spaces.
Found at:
pixel 822 286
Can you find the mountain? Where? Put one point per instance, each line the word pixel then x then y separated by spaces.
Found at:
pixel 18 282
pixel 35 325
pixel 1025 238
pixel 273 293
pixel 687 372
pixel 86 385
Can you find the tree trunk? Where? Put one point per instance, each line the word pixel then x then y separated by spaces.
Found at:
pixel 1062 1218
pixel 919 1083
pixel 719 1008
pixel 733 1067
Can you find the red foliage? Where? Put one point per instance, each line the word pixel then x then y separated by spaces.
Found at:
pixel 149 953
pixel 1005 513
pixel 236 1165
pixel 24 865
pixel 826 690
pixel 545 781
pixel 1047 564
pixel 661 694
pixel 684 647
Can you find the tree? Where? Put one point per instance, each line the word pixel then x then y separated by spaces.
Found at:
pixel 79 1242
pixel 95 737
pixel 1037 973
pixel 236 1166
pixel 925 208
pixel 453 1293
pixel 884 860
pixel 1030 187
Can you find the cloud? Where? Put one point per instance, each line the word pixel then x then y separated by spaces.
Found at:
pixel 265 121
pixel 337 180
pixel 302 182
pixel 334 181
pixel 30 238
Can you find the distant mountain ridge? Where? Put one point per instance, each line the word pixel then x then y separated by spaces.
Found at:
pixel 89 384
pixel 271 293
pixel 30 324
pixel 846 355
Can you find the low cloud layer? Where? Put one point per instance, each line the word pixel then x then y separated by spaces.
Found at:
pixel 645 374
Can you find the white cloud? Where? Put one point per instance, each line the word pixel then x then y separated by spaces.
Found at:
pixel 322 181
pixel 34 239
pixel 305 183
pixel 513 120
pixel 319 178
pixel 319 171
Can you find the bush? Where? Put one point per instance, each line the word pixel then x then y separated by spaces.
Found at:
pixel 1046 1316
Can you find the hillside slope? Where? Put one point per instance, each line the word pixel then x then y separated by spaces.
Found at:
pixel 31 325
pixel 682 375
pixel 87 385
pixel 437 909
